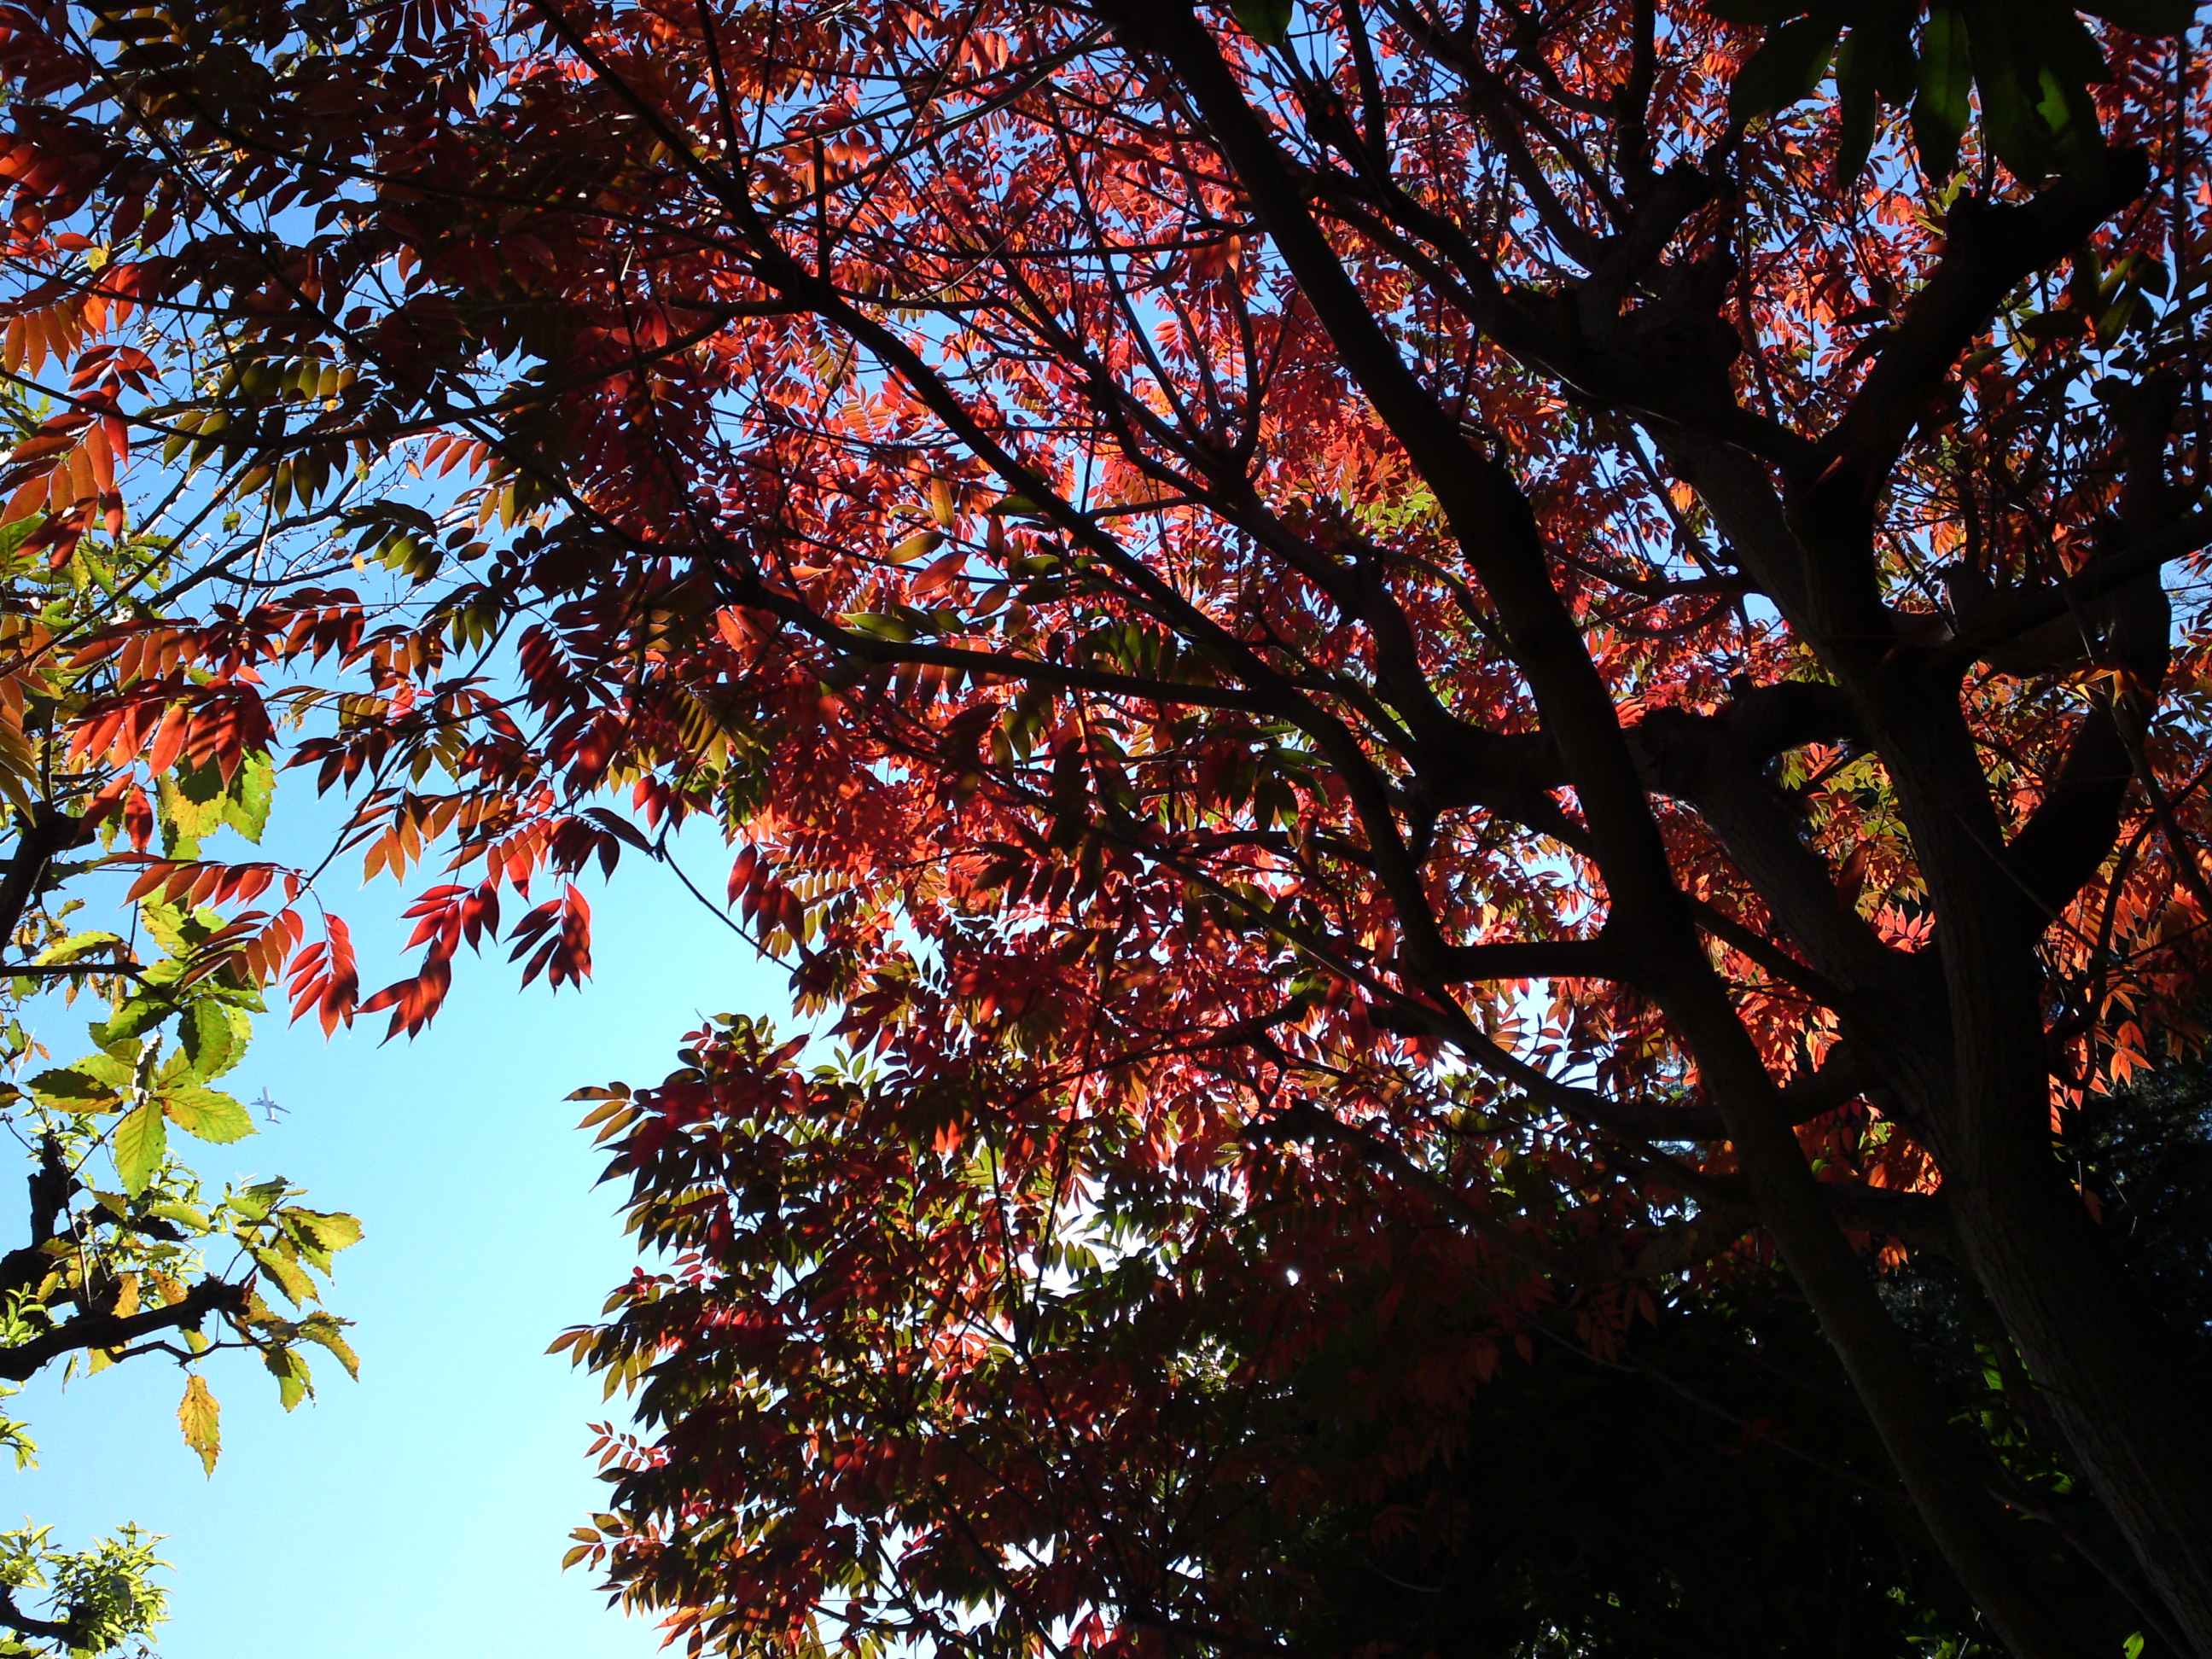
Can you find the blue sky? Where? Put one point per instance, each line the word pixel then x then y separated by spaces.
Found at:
pixel 424 1510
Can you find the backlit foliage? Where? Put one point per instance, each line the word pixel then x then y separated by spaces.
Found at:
pixel 1393 675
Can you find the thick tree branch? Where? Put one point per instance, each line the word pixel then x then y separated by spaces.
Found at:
pixel 1841 1078
pixel 52 1186
pixel 1919 1219
pixel 2002 624
pixel 71 1632
pixel 99 1330
pixel 48 832
pixel 1702 760
pixel 2129 630
pixel 1990 249
pixel 1561 959
pixel 2072 830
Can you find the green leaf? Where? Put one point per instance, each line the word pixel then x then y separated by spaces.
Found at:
pixel 319 1236
pixel 115 1046
pixel 188 803
pixel 1787 67
pixel 921 542
pixel 136 1016
pixel 1268 22
pixel 246 802
pixel 2033 61
pixel 897 622
pixel 213 1038
pixel 325 1328
pixel 194 802
pixel 294 1380
pixel 1861 108
pixel 1941 111
pixel 209 1114
pixel 201 1419
pixel 1874 66
pixel 2012 126
pixel 80 944
pixel 117 1069
pixel 178 931
pixel 140 1140
pixel 333 1230
pixel 2064 103
pixel 76 1088
pixel 255 1202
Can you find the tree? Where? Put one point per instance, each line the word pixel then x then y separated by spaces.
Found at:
pixel 1607 1508
pixel 1319 600
pixel 1314 1421
pixel 125 1254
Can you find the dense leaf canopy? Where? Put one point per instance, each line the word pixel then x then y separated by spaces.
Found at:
pixel 1406 684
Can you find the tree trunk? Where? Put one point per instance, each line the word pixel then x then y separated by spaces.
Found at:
pixel 2111 1374
pixel 2108 1371
pixel 1947 1475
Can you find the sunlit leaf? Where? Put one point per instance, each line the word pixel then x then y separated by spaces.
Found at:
pixel 141 1140
pixel 208 1114
pixel 201 1419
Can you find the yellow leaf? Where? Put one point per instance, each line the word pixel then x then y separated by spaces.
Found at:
pixel 201 1419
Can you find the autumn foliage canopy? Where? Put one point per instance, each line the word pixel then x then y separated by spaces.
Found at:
pixel 1410 685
